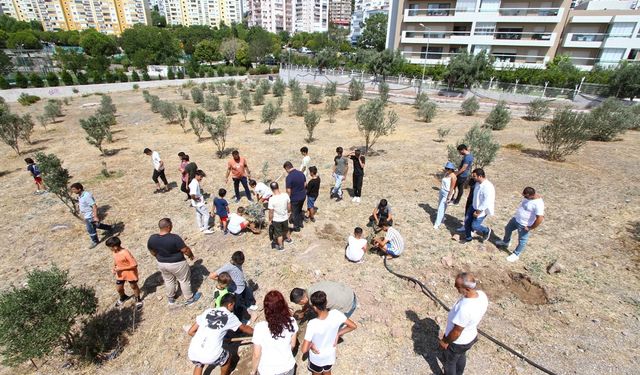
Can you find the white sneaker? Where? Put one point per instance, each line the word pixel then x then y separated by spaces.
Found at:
pixel 207 231
pixel 354 199
pixel 436 227
pixel 253 307
pixel 501 243
pixel 486 238
pixel 512 258
pixel 358 199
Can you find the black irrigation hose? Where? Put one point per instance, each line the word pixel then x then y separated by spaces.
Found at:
pixel 430 294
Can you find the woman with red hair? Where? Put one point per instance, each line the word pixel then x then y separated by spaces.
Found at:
pixel 274 339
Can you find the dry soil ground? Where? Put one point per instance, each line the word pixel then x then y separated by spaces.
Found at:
pixel 584 320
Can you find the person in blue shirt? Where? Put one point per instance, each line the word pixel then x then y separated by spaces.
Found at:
pixel 89 212
pixel 221 208
pixel 296 183
pixel 463 172
pixel 35 173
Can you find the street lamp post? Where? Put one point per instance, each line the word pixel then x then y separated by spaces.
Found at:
pixel 426 56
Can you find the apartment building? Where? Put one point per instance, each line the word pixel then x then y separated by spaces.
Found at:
pixel 515 32
pixel 364 9
pixel 310 16
pixel 340 12
pixel 201 12
pixel 271 15
pixel 109 17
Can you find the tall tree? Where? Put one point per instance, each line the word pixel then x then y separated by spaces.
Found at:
pixel 465 69
pixel 206 51
pixel 374 33
pixel 625 82
pixel 150 45
pixel 233 48
pixel 95 43
pixel 158 19
pixel 26 39
pixel 70 59
pixel 261 43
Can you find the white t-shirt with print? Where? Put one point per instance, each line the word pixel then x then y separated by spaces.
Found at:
pixel 263 190
pixel 322 333
pixel 235 220
pixel 194 189
pixel 528 210
pixel 276 356
pixel 279 204
pixel 306 161
pixel 467 313
pixel 213 324
pixel 155 159
pixel 355 249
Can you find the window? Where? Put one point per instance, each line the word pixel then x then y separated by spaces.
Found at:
pixel 509 33
pixel 434 53
pixel 485 28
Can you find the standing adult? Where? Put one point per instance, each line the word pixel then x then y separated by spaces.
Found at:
pixel 170 250
pixel 340 170
pixel 306 161
pixel 279 209
pixel 238 168
pixel 158 170
pixel 528 216
pixel 295 183
pixel 89 211
pixel 358 174
pixel 464 170
pixel 339 297
pixel 446 192
pixel 483 205
pixel 462 324
pixel 197 201
pixel 274 339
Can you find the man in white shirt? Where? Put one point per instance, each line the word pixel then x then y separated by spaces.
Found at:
pixel 263 193
pixel 462 324
pixel 484 197
pixel 197 201
pixel 158 170
pixel 306 161
pixel 356 247
pixel 392 245
pixel 528 216
pixel 279 210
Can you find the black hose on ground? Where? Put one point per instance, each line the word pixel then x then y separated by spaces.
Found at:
pixel 433 297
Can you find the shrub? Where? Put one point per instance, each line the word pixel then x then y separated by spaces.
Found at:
pixel 608 120
pixel 4 84
pixel 228 107
pixel 294 85
pixel 27 99
pixel 443 132
pixel 331 108
pixel 635 117
pixel 145 76
pixel 537 110
pixel 96 77
pixel 26 127
pixel 311 120
pixel 52 79
pixel 196 95
pixel 218 129
pixel 107 112
pixel 258 96
pixel 480 141
pixel 372 123
pixel 565 134
pixel 182 114
pixel 245 103
pixel 122 76
pixel 222 89
pixel 169 111
pixel 420 98
pixel 97 129
pixel 499 117
pixel 146 96
pixel 67 79
pixel 344 102
pixel 180 74
pixel 135 77
pixel 156 103
pixel 110 77
pixel 135 86
pixel 211 103
pixel 270 113
pixel 170 74
pixel 356 90
pixel 330 89
pixel 13 127
pixel 36 80
pixel 82 78
pixel 53 109
pixel 427 111
pixel 198 120
pixel 315 94
pixel 298 105
pixel 470 106
pixel 279 87
pixel 21 81
pixel 232 92
pixel 57 180
pixel 265 85
pixel 39 317
pixel 383 92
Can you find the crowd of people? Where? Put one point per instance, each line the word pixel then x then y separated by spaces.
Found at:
pixel 326 307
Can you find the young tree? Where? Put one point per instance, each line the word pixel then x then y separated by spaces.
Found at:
pixel 294 85
pixel 311 120
pixel 182 114
pixel 331 108
pixel 43 120
pixel 196 95
pixel 198 120
pixel 52 79
pixel 57 179
pixel 21 81
pixel 470 106
pixel 212 103
pixel 14 127
pixel 625 82
pixel 420 98
pixel 232 92
pixel 245 103
pixel 170 73
pixel 481 141
pixel 383 91
pixel 26 127
pixel 258 96
pixel 169 111
pixel 228 107
pixel 97 129
pixel 608 120
pixel 427 111
pixel 372 123
pixel 107 113
pixel 443 132
pixel 330 89
pixel 344 102
pixel 356 90
pixel 40 316
pixel 499 117
pixel 466 69
pixel 218 129
pixel 270 113
pixel 299 104
pixel 537 110
pixel 67 79
pixel 315 94
pixel 565 134
pixel 279 87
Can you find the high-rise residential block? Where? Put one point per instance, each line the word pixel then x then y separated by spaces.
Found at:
pixel 364 9
pixel 340 12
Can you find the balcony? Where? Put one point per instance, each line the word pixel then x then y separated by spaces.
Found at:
pixel 584 40
pixel 523 39
pixel 528 15
pixel 501 60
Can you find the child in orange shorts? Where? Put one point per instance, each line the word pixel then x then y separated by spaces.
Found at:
pixel 125 268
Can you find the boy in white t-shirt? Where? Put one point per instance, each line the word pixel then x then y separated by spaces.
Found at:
pixel 197 201
pixel 356 247
pixel 306 161
pixel 322 335
pixel 237 223
pixel 158 170
pixel 208 334
pixel 263 193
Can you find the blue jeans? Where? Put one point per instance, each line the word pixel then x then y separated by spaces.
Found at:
pixel 353 307
pixel 245 185
pixel 523 235
pixel 92 226
pixel 442 207
pixel 337 188
pixel 472 223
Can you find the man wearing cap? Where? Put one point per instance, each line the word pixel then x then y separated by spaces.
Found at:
pixel 462 324
pixel 529 216
pixel 446 192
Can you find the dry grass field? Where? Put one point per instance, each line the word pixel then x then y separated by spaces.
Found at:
pixel 583 320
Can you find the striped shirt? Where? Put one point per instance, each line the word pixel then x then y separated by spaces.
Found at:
pixel 395 239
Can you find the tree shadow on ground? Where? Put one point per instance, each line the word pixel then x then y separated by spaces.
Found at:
pixel 450 222
pixel 33 150
pixel 104 335
pixel 633 228
pixel 534 153
pixel 424 334
pixel 114 151
pixel 274 131
pixel 4 173
pixel 224 153
pixel 43 140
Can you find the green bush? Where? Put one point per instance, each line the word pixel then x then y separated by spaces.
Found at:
pixel 96 77
pixel 372 123
pixel 537 110
pixel 330 89
pixel 232 91
pixel 311 120
pixel 470 106
pixel 258 96
pixel 420 98
pixel 228 107
pixel 53 109
pixel 356 90
pixel 52 79
pixel 97 128
pixel 245 103
pixel 145 76
pixel 294 85
pixel 265 85
pixel 135 77
pixel 298 104
pixel 608 120
pixel 57 179
pixel 21 81
pixel 122 76
pixel 331 108
pixel 279 87
pixel 180 74
pixel 427 111
pixel 169 111
pixel 110 77
pixel 4 84
pixel 67 78
pixel 196 95
pixel 565 134
pixel 315 94
pixel 27 99
pixel 443 132
pixel 39 317
pixel 383 92
pixel 36 80
pixel 199 121
pixel 211 103
pixel 82 78
pixel 218 128
pixel 499 117
pixel 635 117
pixel 170 74
pixel 270 113
pixel 344 102
pixel 481 142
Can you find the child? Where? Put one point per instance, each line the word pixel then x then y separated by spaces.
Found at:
pixel 237 223
pixel 306 160
pixel 125 268
pixel 323 333
pixel 222 288
pixel 35 173
pixel 208 333
pixel 221 208
pixel 356 247
pixel 313 189
pixel 240 287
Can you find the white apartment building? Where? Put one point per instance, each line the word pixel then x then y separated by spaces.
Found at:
pixel 515 32
pixel 271 15
pixel 310 16
pixel 364 9
pixel 201 12
pixel 340 12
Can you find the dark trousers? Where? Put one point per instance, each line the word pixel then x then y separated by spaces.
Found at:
pixel 455 358
pixel 160 174
pixel 296 213
pixel 245 185
pixel 357 185
pixel 183 188
pixel 460 186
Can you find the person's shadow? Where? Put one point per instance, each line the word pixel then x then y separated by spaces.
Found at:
pixel 424 334
pixel 450 222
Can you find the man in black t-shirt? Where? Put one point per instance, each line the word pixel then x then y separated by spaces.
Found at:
pixel 358 173
pixel 169 250
pixel 295 183
pixel 313 190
